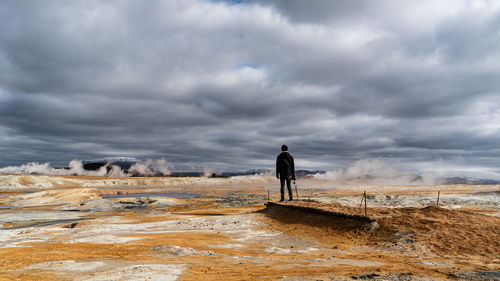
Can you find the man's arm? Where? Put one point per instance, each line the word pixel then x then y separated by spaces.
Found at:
pixel 293 167
pixel 277 168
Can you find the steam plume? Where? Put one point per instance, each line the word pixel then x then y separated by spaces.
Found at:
pixel 207 170
pixel 148 168
pixel 152 167
pixel 377 172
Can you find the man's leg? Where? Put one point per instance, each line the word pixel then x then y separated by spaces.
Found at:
pixel 282 190
pixel 289 186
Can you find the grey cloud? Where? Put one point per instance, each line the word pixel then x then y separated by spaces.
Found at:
pixel 226 84
pixel 319 10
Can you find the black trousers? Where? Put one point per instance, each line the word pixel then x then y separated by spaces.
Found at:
pixel 288 186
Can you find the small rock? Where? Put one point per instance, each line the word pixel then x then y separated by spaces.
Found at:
pixel 71 225
pixel 368 276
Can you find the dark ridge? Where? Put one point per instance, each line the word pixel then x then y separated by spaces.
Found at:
pixel 461 180
pixel 123 162
pixel 321 212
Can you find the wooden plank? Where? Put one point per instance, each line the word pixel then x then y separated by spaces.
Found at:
pixel 317 211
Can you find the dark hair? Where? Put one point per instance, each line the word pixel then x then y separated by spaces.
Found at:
pixel 284 148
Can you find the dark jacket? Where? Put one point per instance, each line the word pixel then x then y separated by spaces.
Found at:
pixel 285 168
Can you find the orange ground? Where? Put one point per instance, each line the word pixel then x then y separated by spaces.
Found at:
pixel 431 243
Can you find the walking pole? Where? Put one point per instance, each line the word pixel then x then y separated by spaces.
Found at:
pixel 362 198
pixel 296 193
pixel 437 203
pixel 365 203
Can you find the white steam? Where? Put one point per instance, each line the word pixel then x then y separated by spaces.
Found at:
pixel 148 168
pixel 152 167
pixel 261 175
pixel 207 170
pixel 377 172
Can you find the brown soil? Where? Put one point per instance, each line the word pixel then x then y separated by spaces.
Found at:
pixel 348 239
pixel 429 242
pixel 454 236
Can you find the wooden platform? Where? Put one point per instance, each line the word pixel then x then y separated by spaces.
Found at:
pixel 318 211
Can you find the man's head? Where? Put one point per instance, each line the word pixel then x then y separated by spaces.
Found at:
pixel 284 148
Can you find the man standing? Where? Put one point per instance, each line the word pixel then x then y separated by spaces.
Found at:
pixel 285 171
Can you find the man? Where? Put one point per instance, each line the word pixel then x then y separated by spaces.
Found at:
pixel 285 171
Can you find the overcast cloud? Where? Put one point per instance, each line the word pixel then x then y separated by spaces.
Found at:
pixel 226 83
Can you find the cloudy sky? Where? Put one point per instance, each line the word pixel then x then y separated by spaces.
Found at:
pixel 225 83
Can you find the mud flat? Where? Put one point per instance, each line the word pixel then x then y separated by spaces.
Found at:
pixel 76 228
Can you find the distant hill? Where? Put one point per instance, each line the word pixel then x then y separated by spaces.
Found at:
pixel 298 173
pixel 461 180
pixel 126 162
pixel 123 162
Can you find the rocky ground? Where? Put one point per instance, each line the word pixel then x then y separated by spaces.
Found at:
pixel 77 228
